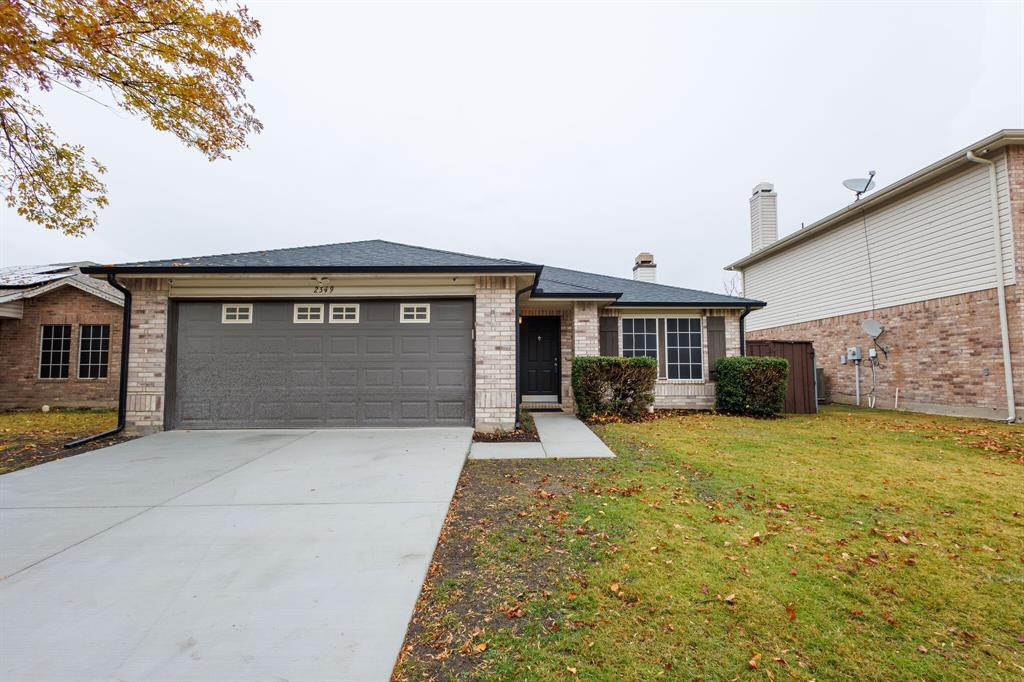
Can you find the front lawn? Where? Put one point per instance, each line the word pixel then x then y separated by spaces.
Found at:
pixel 30 438
pixel 851 545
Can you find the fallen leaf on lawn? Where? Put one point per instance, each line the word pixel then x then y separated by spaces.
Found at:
pixel 923 649
pixel 614 587
pixel 480 648
pixel 752 663
pixel 792 571
pixel 791 611
pixel 571 669
pixel 730 599
pixel 571 596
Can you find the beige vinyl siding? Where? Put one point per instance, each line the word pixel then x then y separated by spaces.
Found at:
pixel 936 242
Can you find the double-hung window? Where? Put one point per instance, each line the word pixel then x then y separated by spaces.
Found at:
pixel 93 351
pixel 55 351
pixel 640 337
pixel 684 350
pixel 675 342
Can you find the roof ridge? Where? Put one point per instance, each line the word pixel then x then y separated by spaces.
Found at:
pixel 453 253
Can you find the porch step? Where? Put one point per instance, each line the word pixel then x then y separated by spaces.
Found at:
pixel 542 407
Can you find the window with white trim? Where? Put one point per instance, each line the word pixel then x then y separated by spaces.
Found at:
pixel 93 351
pixel 344 313
pixel 308 313
pixel 640 337
pixel 415 312
pixel 55 351
pixel 236 313
pixel 683 348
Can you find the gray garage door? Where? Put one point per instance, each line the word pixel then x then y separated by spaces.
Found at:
pixel 276 373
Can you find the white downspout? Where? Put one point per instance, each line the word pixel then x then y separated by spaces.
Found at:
pixel 1004 327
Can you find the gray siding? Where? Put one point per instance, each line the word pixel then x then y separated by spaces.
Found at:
pixel 935 242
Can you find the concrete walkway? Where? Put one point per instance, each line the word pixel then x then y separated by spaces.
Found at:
pixel 562 436
pixel 222 555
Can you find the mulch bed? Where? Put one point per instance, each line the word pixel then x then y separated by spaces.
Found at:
pixel 23 454
pixel 516 436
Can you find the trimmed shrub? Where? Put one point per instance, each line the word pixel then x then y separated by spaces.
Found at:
pixel 751 385
pixel 613 386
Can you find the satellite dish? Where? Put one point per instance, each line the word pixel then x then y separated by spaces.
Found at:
pixel 860 185
pixel 872 328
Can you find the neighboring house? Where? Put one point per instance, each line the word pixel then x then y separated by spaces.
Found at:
pixel 375 333
pixel 60 338
pixel 922 259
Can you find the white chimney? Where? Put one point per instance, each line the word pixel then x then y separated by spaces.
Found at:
pixel 644 268
pixel 764 216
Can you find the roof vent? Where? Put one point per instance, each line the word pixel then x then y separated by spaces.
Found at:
pixel 644 268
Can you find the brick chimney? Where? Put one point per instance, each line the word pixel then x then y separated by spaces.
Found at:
pixel 644 268
pixel 764 216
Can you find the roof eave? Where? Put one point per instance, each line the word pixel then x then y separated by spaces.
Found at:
pixel 998 140
pixel 242 269
pixel 688 304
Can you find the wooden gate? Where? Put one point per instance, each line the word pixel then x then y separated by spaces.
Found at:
pixel 801 396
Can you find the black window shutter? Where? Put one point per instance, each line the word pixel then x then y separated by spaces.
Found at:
pixel 608 328
pixel 716 342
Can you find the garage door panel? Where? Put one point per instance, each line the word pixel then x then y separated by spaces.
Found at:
pixel 274 373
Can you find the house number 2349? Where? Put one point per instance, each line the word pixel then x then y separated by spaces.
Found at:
pixel 323 289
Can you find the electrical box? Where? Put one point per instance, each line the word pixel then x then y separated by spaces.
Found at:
pixel 853 353
pixel 842 359
pixel 872 353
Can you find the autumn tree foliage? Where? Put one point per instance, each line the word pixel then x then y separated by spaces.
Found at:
pixel 178 64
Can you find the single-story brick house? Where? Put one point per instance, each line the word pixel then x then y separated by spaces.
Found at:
pixel 60 338
pixel 375 333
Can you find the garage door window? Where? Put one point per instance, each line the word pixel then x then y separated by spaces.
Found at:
pixel 344 313
pixel 309 313
pixel 415 312
pixel 236 313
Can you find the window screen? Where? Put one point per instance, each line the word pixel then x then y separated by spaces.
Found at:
pixel 93 351
pixel 55 351
pixel 640 337
pixel 683 347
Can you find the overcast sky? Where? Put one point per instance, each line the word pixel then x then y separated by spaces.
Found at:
pixel 571 134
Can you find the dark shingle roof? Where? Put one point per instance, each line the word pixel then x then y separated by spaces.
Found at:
pixel 561 283
pixel 370 255
pixel 376 255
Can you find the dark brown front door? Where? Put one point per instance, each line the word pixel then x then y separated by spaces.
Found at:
pixel 539 355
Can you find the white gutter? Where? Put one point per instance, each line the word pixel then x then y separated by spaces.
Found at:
pixel 1004 328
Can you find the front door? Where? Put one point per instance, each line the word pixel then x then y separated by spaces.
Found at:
pixel 540 356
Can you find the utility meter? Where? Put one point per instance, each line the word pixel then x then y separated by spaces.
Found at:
pixel 853 353
pixel 872 353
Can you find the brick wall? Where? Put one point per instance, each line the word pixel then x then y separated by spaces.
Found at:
pixel 945 354
pixel 20 385
pixel 495 400
pixel 147 358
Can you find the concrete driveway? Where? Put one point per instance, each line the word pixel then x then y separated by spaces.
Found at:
pixel 222 555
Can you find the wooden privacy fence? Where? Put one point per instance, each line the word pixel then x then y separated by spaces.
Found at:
pixel 801 396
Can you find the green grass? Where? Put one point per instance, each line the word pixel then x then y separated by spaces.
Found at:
pixel 851 545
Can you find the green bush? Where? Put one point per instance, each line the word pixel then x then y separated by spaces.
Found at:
pixel 750 385
pixel 613 386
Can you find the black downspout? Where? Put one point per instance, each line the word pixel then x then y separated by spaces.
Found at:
pixel 519 391
pixel 743 331
pixel 122 389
